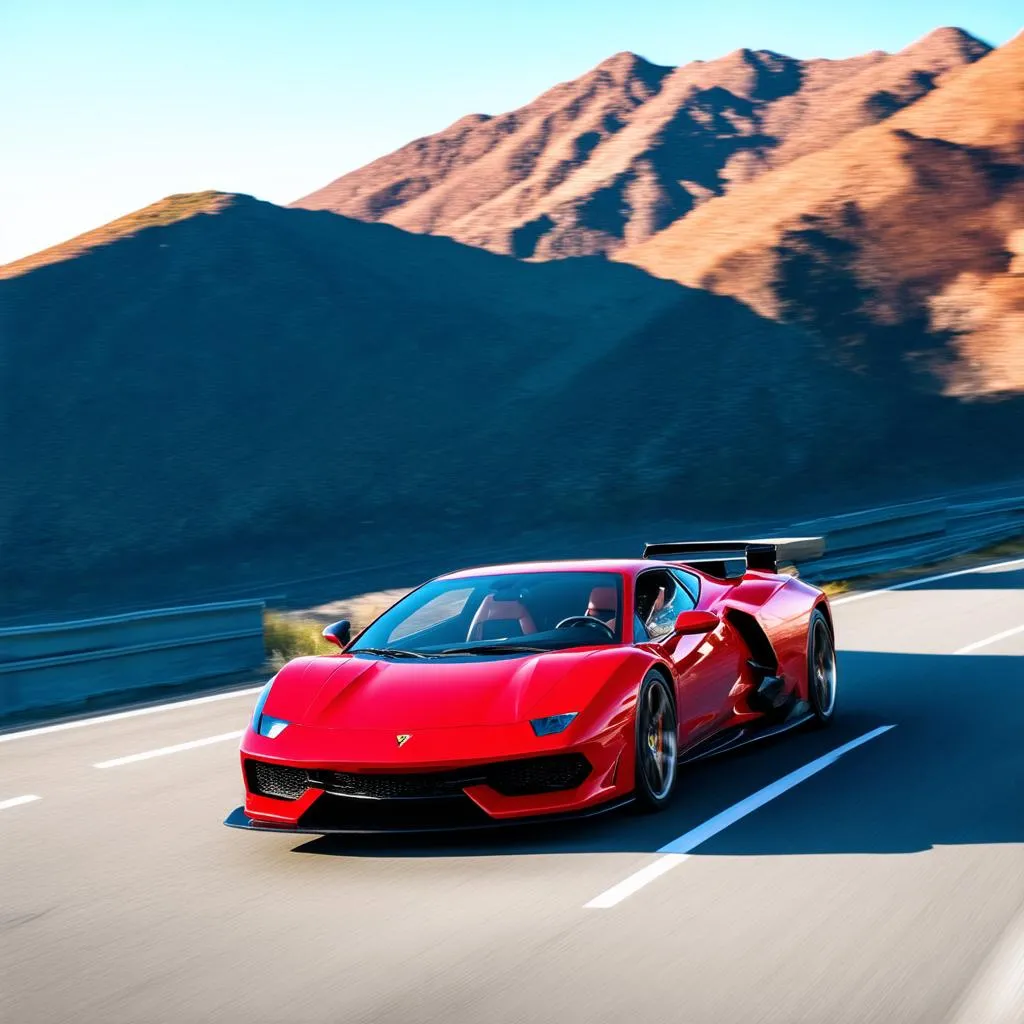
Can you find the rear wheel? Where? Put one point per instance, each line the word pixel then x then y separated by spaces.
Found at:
pixel 656 743
pixel 821 669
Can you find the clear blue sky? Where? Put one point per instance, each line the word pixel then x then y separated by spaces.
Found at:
pixel 108 106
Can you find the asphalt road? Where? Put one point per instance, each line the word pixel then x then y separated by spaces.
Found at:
pixel 888 886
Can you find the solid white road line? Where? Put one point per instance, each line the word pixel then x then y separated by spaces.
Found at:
pixel 177 748
pixel 997 994
pixel 134 713
pixel 17 801
pixel 927 579
pixel 990 640
pixel 678 850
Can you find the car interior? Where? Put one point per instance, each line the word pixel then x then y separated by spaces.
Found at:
pixel 555 609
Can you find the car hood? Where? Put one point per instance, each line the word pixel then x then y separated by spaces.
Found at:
pixel 351 692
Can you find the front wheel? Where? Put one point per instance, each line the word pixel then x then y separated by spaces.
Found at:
pixel 656 743
pixel 821 669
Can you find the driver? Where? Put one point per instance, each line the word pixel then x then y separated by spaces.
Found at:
pixel 603 605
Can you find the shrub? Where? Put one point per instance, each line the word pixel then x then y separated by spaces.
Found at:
pixel 286 637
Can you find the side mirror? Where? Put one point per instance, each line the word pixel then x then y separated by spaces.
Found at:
pixel 338 633
pixel 693 623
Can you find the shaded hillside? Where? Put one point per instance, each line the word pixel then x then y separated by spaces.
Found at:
pixel 905 238
pixel 256 378
pixel 630 147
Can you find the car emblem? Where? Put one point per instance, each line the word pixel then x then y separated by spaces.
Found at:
pixel 403 738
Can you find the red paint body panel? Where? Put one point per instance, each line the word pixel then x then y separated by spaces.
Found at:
pixel 346 711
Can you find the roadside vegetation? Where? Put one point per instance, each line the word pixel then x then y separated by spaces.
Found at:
pixel 835 587
pixel 287 636
pixel 1005 549
pixel 297 634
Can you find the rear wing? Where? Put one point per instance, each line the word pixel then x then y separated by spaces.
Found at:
pixel 718 557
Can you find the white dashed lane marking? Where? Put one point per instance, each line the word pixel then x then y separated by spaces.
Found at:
pixel 17 801
pixel 175 749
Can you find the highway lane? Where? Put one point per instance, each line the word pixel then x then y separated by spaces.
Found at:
pixel 889 886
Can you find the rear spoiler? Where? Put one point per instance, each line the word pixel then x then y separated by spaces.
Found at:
pixel 763 555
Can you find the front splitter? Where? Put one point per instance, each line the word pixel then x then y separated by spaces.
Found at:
pixel 239 819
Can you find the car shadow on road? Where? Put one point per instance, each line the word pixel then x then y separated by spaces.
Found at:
pixel 949 773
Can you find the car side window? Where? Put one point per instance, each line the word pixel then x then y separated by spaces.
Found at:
pixel 640 633
pixel 660 597
pixel 691 581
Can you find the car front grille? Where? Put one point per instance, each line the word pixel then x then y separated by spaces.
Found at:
pixel 276 780
pixel 522 777
pixel 538 774
pixel 410 786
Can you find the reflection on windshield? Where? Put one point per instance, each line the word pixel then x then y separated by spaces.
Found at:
pixel 501 614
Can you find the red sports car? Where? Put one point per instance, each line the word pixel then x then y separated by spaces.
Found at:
pixel 519 692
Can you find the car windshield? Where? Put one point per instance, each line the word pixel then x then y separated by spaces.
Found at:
pixel 507 613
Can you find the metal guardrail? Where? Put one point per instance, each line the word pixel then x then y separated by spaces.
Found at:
pixel 904 536
pixel 67 663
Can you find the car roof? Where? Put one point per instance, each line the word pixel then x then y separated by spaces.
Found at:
pixel 622 566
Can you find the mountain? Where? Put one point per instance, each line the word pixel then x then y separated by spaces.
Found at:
pixel 814 302
pixel 905 237
pixel 237 381
pixel 614 156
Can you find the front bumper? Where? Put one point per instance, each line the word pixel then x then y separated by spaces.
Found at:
pixel 475 793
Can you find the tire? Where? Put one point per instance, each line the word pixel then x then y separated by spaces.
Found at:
pixel 656 743
pixel 821 669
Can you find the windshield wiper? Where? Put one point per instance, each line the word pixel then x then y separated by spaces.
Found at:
pixel 496 649
pixel 390 652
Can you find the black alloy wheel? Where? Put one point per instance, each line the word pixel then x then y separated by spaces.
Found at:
pixel 821 669
pixel 656 743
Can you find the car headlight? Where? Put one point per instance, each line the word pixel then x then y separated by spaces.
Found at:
pixel 271 727
pixel 267 725
pixel 552 724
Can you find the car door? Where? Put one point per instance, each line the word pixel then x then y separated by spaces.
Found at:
pixel 707 668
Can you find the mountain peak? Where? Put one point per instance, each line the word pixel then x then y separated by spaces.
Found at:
pixel 947 40
pixel 626 66
pixel 625 61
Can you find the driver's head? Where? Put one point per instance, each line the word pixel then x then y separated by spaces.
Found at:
pixel 603 605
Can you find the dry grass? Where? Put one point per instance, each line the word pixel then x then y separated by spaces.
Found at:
pixel 166 211
pixel 835 587
pixel 289 636
pixel 360 610
pixel 1006 549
